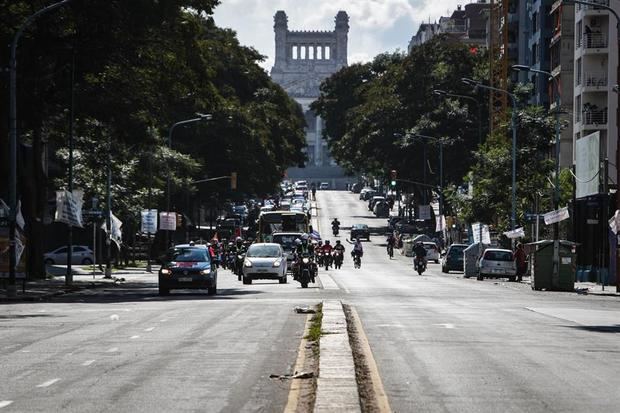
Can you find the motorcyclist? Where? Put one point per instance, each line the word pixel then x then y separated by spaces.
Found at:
pixel 358 249
pixel 327 248
pixel 339 247
pixel 335 224
pixel 391 242
pixel 419 252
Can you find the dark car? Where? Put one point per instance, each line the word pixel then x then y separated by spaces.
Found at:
pixel 453 260
pixel 188 268
pixel 360 231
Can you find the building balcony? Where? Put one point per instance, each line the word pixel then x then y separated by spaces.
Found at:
pixel 593 117
pixel 595 80
pixel 595 41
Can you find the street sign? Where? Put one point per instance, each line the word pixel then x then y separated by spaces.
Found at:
pixel 69 207
pixel 168 221
pixel 556 216
pixel 516 233
pixel 477 230
pixel 149 221
pixel 424 212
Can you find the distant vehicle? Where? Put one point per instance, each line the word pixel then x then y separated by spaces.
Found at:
pixel 273 222
pixel 301 183
pixel 432 252
pixel 453 260
pixel 497 263
pixel 381 209
pixel 367 193
pixel 324 186
pixel 356 188
pixel 80 254
pixel 265 261
pixel 287 242
pixel 360 231
pixel 188 268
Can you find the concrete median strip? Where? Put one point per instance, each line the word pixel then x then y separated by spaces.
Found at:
pixel 336 385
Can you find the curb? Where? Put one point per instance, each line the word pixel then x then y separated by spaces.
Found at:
pixel 337 384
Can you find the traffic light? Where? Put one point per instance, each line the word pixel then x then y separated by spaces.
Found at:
pixel 393 175
pixel 233 181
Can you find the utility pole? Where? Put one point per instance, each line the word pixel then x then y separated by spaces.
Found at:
pixel 69 274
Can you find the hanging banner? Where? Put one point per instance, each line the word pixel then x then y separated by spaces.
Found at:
pixel 69 207
pixel 476 231
pixel 556 216
pixel 517 233
pixel 614 222
pixel 149 221
pixel 168 221
pixel 440 224
pixel 424 212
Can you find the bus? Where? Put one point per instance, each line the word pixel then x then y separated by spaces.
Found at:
pixel 280 221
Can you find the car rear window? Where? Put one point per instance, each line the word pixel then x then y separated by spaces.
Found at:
pixel 263 251
pixel 498 256
pixel 190 255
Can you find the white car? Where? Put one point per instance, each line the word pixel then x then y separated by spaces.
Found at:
pixel 432 252
pixel 497 263
pixel 81 254
pixel 264 261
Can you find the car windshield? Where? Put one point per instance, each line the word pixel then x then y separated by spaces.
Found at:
pixel 498 255
pixel 190 255
pixel 263 251
pixel 360 226
pixel 286 241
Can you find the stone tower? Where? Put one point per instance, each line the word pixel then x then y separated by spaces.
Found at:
pixel 303 60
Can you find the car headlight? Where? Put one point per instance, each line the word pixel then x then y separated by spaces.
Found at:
pixel 205 272
pixel 276 263
pixel 165 271
pixel 247 263
pixel 239 257
pixel 305 260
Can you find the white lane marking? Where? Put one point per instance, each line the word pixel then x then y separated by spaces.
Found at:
pixel 25 351
pixel 328 282
pixel 48 383
pixel 134 337
pixel 445 325
pixel 4 403
pixel 88 362
pixel 114 317
pixel 112 350
pixel 391 325
pixel 149 329
pixel 163 320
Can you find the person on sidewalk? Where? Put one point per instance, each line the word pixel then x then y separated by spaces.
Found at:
pixel 521 261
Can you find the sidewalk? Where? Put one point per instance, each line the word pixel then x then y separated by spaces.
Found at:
pixel 54 285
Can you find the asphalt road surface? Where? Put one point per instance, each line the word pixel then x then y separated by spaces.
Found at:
pixel 443 343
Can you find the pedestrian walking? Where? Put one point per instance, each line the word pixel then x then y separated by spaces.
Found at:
pixel 521 261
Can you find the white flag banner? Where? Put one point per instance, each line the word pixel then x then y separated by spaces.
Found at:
pixel 69 207
pixel 478 230
pixel 168 221
pixel 614 222
pixel 149 221
pixel 19 218
pixel 440 223
pixel 556 216
pixel 516 233
pixel 115 234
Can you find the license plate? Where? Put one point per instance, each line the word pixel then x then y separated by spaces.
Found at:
pixel 498 271
pixel 261 270
pixel 185 279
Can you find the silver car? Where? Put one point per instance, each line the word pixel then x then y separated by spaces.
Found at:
pixel 264 261
pixel 497 263
pixel 81 254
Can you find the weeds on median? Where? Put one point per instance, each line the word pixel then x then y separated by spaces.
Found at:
pixel 314 334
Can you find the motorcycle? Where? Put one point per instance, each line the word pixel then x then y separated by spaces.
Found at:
pixel 335 230
pixel 327 261
pixel 419 265
pixel 305 270
pixel 357 261
pixel 240 258
pixel 390 251
pixel 320 258
pixel 338 258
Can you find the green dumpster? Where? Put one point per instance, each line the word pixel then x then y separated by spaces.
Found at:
pixel 542 265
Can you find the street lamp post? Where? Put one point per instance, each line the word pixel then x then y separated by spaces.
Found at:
pixel 440 92
pixel 11 290
pixel 174 125
pixel 513 121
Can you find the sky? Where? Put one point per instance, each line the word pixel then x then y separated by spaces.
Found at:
pixel 376 26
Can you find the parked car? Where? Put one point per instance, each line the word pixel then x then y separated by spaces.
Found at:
pixel 360 231
pixel 264 261
pixel 432 252
pixel 381 209
pixel 454 259
pixel 80 254
pixel 497 263
pixel 367 194
pixel 373 201
pixel 324 186
pixel 356 188
pixel 188 267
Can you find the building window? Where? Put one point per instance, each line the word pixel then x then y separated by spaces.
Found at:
pixel 294 53
pixel 535 53
pixel 328 53
pixel 578 76
pixel 577 109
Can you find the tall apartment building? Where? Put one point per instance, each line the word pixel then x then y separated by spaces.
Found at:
pixel 562 59
pixel 596 60
pixel 540 25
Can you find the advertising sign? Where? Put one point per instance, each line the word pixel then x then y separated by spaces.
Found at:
pixel 424 212
pixel 587 159
pixel 516 233
pixel 477 231
pixel 168 221
pixel 149 221
pixel 556 216
pixel 69 207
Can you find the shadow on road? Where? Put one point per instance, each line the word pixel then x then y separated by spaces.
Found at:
pixel 598 329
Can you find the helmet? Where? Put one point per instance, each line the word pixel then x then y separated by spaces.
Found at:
pixel 337 242
pixel 304 237
pixel 326 242
pixel 238 239
pixel 192 243
pixel 297 241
